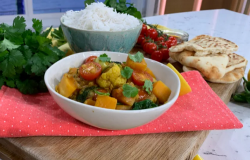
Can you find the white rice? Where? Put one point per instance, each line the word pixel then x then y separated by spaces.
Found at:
pixel 98 17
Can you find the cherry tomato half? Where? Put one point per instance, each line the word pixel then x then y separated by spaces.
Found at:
pixel 165 53
pixel 90 70
pixel 157 56
pixel 144 29
pixel 140 39
pixel 152 33
pixel 142 95
pixel 149 47
pixel 139 77
pixel 90 59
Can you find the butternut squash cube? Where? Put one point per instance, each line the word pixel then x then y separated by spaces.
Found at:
pixel 105 102
pixel 117 93
pixel 185 88
pixel 141 66
pixel 67 86
pixel 90 102
pixel 161 91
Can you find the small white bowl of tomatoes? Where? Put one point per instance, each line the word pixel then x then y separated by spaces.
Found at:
pixel 156 42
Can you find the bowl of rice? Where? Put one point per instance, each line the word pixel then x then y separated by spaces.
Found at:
pixel 100 28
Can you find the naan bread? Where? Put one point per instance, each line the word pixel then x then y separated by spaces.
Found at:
pixel 212 66
pixel 235 61
pixel 230 77
pixel 205 44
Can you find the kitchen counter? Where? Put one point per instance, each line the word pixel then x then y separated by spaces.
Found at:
pixel 223 144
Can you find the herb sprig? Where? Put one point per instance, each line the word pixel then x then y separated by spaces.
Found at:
pixel 25 55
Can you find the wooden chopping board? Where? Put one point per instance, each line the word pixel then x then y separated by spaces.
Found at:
pixel 171 146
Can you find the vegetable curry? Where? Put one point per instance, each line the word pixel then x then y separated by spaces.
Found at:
pixel 100 82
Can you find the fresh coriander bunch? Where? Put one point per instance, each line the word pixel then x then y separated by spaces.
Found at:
pixel 25 55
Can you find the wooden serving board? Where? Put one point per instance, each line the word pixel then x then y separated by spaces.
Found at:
pixel 171 146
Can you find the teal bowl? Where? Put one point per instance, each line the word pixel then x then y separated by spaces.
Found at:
pixel 88 40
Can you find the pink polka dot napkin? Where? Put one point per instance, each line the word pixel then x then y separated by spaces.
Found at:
pixel 39 115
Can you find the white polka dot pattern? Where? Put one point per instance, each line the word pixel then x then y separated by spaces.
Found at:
pixel 38 115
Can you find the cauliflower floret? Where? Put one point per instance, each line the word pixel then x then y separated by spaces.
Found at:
pixel 112 78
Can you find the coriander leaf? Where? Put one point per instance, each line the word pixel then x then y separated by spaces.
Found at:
pixel 121 7
pixel 7 68
pixel 15 59
pixel 112 3
pixel 137 57
pixel 27 86
pixel 104 58
pixel 129 91
pixel 1 80
pixel 101 93
pixel 88 2
pixel 145 104
pixel 26 51
pixel 106 2
pixel 43 41
pixel 37 25
pixel 126 72
pixel 148 86
pixel 6 44
pixel 137 14
pixel 3 55
pixel 38 68
pixel 46 33
pixel 19 23
pixel 27 33
pixel 32 42
pixel 14 35
pixel 54 53
pixel 10 83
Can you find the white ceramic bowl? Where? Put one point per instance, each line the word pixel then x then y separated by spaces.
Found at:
pixel 108 118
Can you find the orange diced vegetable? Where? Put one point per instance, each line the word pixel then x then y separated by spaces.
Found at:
pixel 117 93
pixel 150 72
pixel 136 65
pixel 67 86
pixel 90 102
pixel 161 91
pixel 106 102
pixel 185 88
pixel 72 70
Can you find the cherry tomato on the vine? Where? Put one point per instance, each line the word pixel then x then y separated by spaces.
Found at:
pixel 149 47
pixel 165 53
pixel 144 29
pixel 157 56
pixel 140 39
pixel 152 33
pixel 160 39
